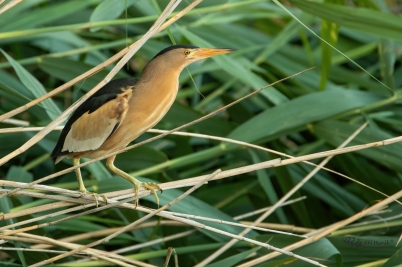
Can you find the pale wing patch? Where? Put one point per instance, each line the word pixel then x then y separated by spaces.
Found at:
pixel 91 130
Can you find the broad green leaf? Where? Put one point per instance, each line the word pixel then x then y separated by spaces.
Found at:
pixel 357 250
pixel 32 84
pixel 290 61
pixel 180 114
pixel 395 259
pixel 17 9
pixel 99 170
pixel 322 251
pixel 233 260
pixel 66 70
pixel 15 84
pixel 18 174
pixel 46 15
pixel 324 188
pixel 109 10
pixel 372 22
pixel 387 61
pixel 286 182
pixel 139 158
pixel 300 111
pixel 266 184
pixel 13 92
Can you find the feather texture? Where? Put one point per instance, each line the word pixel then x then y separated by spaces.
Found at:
pixel 96 119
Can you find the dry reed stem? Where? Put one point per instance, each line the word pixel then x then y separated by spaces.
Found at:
pixel 33 227
pixel 169 253
pixel 42 250
pixel 283 227
pixel 111 230
pixel 9 5
pixel 130 52
pixel 153 138
pixel 34 210
pixel 202 226
pixel 23 239
pixel 320 233
pixel 104 255
pixel 95 69
pixel 228 245
pixel 290 228
pixel 250 227
pixel 16 122
pixel 65 211
pixel 155 241
pixel 149 215
pixel 176 259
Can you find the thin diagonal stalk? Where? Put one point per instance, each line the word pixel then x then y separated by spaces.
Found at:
pixel 153 242
pixel 195 217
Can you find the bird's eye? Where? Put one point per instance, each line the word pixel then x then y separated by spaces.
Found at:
pixel 186 52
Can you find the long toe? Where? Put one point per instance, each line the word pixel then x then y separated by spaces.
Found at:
pixel 151 187
pixel 155 186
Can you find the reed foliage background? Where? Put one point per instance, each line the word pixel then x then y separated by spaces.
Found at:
pixel 45 44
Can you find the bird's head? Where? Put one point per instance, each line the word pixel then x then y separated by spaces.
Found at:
pixel 177 57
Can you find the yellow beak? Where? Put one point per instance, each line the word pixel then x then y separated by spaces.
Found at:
pixel 201 53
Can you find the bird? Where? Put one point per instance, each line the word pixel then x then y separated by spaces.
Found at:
pixel 125 108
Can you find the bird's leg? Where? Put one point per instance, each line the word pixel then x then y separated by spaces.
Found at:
pixel 76 162
pixel 150 186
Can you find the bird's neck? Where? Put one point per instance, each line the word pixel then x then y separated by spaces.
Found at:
pixel 157 70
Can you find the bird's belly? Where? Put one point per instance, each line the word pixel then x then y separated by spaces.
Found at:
pixel 142 115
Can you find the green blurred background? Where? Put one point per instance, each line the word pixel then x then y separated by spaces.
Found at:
pixel 47 43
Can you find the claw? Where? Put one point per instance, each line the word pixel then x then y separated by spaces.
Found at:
pixel 150 186
pixel 95 196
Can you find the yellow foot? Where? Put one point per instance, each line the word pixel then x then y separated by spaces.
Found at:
pixel 150 186
pixel 95 196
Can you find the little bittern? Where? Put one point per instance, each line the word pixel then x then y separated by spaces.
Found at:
pixel 125 108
